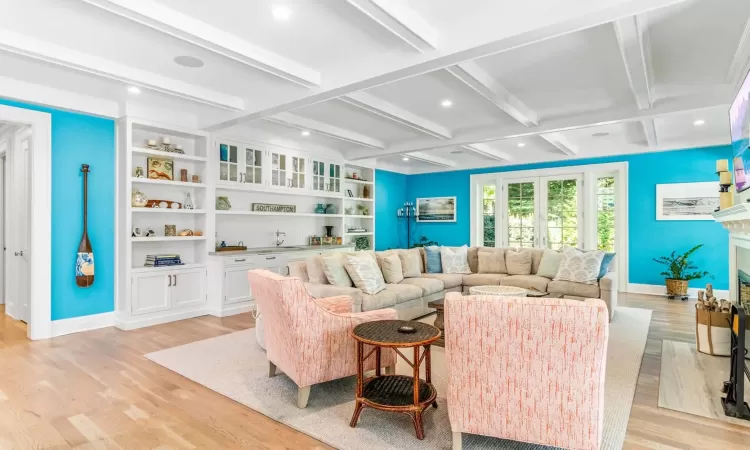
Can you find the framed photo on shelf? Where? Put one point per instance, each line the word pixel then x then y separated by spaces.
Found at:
pixel 160 169
pixel 686 201
pixel 436 209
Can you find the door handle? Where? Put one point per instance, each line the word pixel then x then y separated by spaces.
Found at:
pixel 19 253
pixel 175 280
pixel 270 257
pixel 239 259
pixel 170 280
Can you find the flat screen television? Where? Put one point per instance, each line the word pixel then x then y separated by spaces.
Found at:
pixel 739 120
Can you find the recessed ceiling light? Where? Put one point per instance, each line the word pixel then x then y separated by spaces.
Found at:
pixel 457 152
pixel 699 122
pixel 305 133
pixel 447 103
pixel 521 144
pixel 281 12
pixel 188 61
pixel 600 134
pixel 405 158
pixel 134 90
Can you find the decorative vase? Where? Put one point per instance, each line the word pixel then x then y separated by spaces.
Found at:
pixel 320 209
pixel 222 204
pixel 676 288
pixel 138 199
pixel 183 175
pixel 329 230
pixel 188 202
pixel 331 209
pixel 349 211
pixel 366 191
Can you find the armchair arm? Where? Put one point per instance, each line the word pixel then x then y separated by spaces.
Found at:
pixel 340 304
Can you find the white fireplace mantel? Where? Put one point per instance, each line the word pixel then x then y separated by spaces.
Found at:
pixel 737 221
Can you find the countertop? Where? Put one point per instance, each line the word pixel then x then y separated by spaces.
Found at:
pixel 272 251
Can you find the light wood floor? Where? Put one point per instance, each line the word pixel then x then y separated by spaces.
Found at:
pixel 96 390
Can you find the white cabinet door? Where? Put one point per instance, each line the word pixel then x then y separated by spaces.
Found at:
pixel 150 293
pixel 326 176
pixel 188 288
pixel 230 163
pixel 288 170
pixel 236 285
pixel 252 166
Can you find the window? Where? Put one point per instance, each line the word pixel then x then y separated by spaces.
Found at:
pixel 562 214
pixel 488 214
pixel 521 214
pixel 605 221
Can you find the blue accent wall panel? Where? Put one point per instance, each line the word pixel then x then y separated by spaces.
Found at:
pixel 390 195
pixel 80 139
pixel 648 238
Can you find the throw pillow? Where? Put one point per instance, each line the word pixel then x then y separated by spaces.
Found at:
pixel 391 267
pixel 333 265
pixel 580 267
pixel 606 261
pixel 492 261
pixel 410 263
pixel 518 263
pixel 433 259
pixel 455 260
pixel 550 264
pixel 315 270
pixel 365 273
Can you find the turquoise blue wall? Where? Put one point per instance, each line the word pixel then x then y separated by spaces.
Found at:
pixel 80 139
pixel 390 195
pixel 648 238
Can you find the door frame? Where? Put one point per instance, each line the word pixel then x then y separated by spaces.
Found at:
pixel 40 268
pixel 590 172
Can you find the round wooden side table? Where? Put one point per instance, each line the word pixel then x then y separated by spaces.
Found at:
pixel 395 393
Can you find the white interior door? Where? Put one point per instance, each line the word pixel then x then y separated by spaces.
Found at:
pixel 520 208
pixel 561 218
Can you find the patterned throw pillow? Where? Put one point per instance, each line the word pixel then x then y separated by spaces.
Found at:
pixel 365 273
pixel 333 265
pixel 391 267
pixel 492 261
pixel 410 263
pixel 580 267
pixel 433 259
pixel 455 260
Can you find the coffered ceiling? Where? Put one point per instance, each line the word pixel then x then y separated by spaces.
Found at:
pixel 411 85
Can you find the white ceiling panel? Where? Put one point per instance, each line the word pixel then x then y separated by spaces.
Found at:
pixel 681 131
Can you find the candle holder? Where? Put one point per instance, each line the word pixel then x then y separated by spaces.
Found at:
pixel 408 212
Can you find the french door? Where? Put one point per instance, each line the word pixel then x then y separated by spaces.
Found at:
pixel 542 212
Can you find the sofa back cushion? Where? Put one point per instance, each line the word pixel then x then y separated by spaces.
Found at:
pixel 454 259
pixel 432 259
pixel 536 257
pixel 315 270
pixel 492 260
pixel 333 265
pixel 364 272
pixel 391 267
pixel 410 262
pixel 580 267
pixel 550 264
pixel 518 263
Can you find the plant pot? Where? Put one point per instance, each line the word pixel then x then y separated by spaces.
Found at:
pixel 676 288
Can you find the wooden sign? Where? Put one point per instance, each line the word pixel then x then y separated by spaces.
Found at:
pixel 266 207
pixel 85 259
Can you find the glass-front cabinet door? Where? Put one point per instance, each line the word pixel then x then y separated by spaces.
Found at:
pixel 298 173
pixel 279 173
pixel 319 183
pixel 334 177
pixel 229 165
pixel 253 170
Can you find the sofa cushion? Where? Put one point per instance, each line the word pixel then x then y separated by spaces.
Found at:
pixel 454 259
pixel 606 261
pixel 536 258
pixel 380 255
pixel 432 259
pixel 391 267
pixel 483 279
pixel 428 285
pixel 550 264
pixel 383 299
pixel 492 260
pixel 364 271
pixel 315 270
pixel 410 263
pixel 450 280
pixel 329 290
pixel 472 255
pixel 333 265
pixel 526 282
pixel 518 263
pixel 580 267
pixel 574 289
pixel 404 292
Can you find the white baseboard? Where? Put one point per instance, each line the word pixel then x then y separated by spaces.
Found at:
pixel 232 310
pixel 83 323
pixel 656 289
pixel 132 323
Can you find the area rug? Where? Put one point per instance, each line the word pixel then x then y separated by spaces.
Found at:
pixel 234 366
pixel 691 382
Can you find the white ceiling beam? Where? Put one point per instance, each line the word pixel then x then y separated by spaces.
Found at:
pixel 432 159
pixel 488 152
pixel 402 21
pixel 375 105
pixel 560 142
pixel 303 123
pixel 649 129
pixel 193 31
pixel 72 59
pixel 739 66
pixel 395 72
pixel 575 122
pixel 485 85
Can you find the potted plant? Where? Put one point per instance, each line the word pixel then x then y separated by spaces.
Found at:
pixel 680 270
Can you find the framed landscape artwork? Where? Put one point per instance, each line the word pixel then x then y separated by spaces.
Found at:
pixel 687 201
pixel 436 209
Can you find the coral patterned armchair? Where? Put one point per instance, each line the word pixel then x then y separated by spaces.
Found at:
pixel 524 369
pixel 310 339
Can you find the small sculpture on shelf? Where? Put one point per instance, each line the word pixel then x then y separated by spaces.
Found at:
pixel 138 199
pixel 150 232
pixel 188 202
pixel 186 232
pixel 139 172
pixel 222 204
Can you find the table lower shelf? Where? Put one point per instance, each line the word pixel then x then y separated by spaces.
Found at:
pixel 396 391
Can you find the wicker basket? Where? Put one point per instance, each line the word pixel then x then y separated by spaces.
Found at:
pixel 677 288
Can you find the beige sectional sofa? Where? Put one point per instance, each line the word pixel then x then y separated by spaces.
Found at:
pixel 411 296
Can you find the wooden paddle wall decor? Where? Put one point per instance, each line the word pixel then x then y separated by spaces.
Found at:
pixel 85 260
